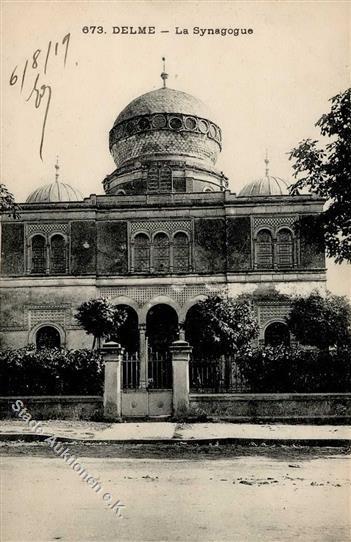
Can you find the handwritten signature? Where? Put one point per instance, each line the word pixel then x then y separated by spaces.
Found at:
pixel 41 93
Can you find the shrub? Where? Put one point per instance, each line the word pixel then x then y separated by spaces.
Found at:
pixel 27 371
pixel 294 370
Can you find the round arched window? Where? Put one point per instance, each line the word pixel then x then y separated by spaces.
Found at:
pixel 277 334
pixel 38 264
pixel 141 253
pixel 161 252
pixel 47 337
pixel 264 249
pixel 58 254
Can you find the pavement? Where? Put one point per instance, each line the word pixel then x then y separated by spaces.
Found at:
pixel 171 432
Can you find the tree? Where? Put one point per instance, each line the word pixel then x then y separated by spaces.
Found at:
pixel 321 321
pixel 99 318
pixel 326 171
pixel 221 325
pixel 7 202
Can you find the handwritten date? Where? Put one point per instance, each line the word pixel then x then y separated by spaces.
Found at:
pixel 32 72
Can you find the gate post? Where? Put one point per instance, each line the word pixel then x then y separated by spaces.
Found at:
pixel 180 351
pixel 112 354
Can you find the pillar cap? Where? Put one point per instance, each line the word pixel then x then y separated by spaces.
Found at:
pixel 111 345
pixel 180 345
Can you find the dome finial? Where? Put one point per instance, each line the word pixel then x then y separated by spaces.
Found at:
pixel 57 167
pixel 164 75
pixel 266 161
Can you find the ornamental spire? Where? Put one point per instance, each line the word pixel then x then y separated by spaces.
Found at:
pixel 164 75
pixel 57 167
pixel 266 161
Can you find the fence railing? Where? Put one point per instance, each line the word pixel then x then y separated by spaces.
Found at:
pixel 159 370
pixel 216 376
pixel 131 371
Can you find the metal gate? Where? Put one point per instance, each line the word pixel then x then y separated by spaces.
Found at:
pixel 153 396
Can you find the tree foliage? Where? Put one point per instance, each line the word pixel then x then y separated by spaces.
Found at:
pixel 7 202
pixel 220 325
pixel 326 171
pixel 321 321
pixel 100 318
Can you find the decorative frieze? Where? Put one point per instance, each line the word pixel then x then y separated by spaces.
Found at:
pixel 271 312
pixel 274 222
pixel 48 313
pixel 180 293
pixel 46 228
pixel 167 226
pixel 164 121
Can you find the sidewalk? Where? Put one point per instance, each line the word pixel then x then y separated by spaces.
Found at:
pixel 168 432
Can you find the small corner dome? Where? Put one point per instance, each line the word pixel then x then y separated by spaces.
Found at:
pixel 54 193
pixel 266 186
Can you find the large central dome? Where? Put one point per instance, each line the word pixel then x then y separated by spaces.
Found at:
pixel 165 100
pixel 164 140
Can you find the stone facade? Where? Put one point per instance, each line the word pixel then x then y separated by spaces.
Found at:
pixel 167 232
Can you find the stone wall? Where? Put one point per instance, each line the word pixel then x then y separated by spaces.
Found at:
pixel 12 248
pixel 83 247
pixel 55 407
pixel 209 245
pixel 112 248
pixel 239 243
pixel 296 407
pixel 312 250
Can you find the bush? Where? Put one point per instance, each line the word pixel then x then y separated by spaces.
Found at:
pixel 28 371
pixel 293 370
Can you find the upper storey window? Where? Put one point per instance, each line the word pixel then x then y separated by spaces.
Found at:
pixel 39 254
pixel 57 254
pixel 48 256
pixel 264 249
pixel 274 252
pixel 161 253
pixel 180 252
pixel 284 248
pixel 141 253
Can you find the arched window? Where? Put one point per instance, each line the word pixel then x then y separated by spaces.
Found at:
pixel 180 252
pixel 277 334
pixel 57 254
pixel 38 263
pixel 284 251
pixel 264 250
pixel 161 253
pixel 47 337
pixel 141 253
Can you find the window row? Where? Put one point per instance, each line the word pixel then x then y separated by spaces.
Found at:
pixel 48 256
pixel 278 252
pixel 161 254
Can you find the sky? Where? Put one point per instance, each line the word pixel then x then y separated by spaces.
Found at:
pixel 266 89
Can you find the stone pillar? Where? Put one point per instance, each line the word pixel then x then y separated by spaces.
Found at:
pixel 112 353
pixel 181 328
pixel 143 356
pixel 180 351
